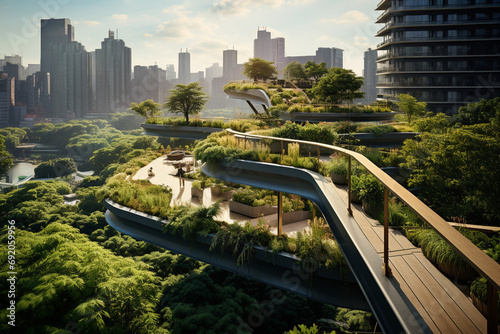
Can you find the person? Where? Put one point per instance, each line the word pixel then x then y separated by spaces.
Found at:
pixel 180 173
pixel 150 172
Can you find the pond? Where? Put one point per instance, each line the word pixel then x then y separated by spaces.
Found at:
pixel 20 170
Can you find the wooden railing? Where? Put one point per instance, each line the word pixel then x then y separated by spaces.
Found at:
pixel 474 256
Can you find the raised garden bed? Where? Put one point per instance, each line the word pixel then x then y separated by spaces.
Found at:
pixel 183 132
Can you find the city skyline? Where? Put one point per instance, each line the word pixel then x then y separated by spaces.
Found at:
pixel 155 33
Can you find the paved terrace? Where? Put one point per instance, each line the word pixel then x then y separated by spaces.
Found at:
pixel 165 175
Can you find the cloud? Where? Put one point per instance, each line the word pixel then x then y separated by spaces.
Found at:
pixel 184 25
pixel 353 16
pixel 238 7
pixel 87 23
pixel 120 17
pixel 361 41
pixel 147 35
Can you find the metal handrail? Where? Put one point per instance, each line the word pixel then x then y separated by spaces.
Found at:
pixel 480 261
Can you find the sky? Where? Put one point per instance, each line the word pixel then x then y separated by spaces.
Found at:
pixel 156 30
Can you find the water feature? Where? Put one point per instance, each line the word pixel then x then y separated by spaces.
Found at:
pixel 20 170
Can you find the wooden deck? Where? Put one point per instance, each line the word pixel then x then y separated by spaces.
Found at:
pixel 443 307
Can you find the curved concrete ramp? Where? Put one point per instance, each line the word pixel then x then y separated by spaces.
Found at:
pixel 394 312
pixel 280 270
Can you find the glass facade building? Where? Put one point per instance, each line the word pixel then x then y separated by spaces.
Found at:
pixel 443 52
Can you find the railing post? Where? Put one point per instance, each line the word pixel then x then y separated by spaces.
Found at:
pixel 387 270
pixel 492 308
pixel 349 191
pixel 280 212
pixel 245 142
pixel 281 152
pixel 319 157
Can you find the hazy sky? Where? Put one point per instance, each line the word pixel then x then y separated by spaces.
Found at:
pixel 157 30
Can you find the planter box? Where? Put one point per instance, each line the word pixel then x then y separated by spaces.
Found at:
pixel 252 211
pixel 217 192
pixel 294 216
pixel 196 192
pixel 391 139
pixel 338 179
pixel 337 117
pixel 183 132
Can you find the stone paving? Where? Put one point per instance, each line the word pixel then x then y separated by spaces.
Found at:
pixel 164 174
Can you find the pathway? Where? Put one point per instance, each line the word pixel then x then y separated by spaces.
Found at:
pixel 165 175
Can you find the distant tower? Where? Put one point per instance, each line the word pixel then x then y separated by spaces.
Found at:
pixel 7 98
pixel 229 64
pixel 278 52
pixel 184 67
pixel 262 47
pixel 332 57
pixel 54 32
pixel 113 74
pixel 370 76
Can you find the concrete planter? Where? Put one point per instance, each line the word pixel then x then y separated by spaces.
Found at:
pixel 196 192
pixel 183 132
pixel 252 211
pixel 338 179
pixel 391 139
pixel 337 117
pixel 294 216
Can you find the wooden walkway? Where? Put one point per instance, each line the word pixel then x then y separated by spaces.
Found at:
pixel 443 307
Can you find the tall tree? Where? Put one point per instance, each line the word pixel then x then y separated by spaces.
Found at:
pixel 410 106
pixel 315 70
pixel 148 108
pixel 186 99
pixel 338 85
pixel 295 71
pixel 258 68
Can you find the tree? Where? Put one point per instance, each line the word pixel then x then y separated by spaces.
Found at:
pixel 410 106
pixel 338 85
pixel 314 70
pixel 295 70
pixel 186 99
pixel 55 168
pixel 483 111
pixel 148 108
pixel 458 172
pixel 5 157
pixel 258 68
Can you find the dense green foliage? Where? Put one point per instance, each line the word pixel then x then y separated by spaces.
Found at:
pixel 55 168
pixel 308 132
pixel 13 137
pixel 458 172
pixel 67 281
pixel 338 85
pixel 5 157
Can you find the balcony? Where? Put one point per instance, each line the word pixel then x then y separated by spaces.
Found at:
pixel 391 25
pixel 435 39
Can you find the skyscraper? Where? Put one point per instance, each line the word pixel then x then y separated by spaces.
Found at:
pixel 71 81
pixel 332 57
pixel 113 75
pixel 53 33
pixel 184 67
pixel 229 64
pixel 262 46
pixel 278 52
pixel 445 53
pixel 7 98
pixel 370 76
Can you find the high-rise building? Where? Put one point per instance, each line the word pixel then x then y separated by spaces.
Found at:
pixel 171 75
pixel 445 53
pixel 370 76
pixel 184 67
pixel 229 64
pixel 113 75
pixel 332 57
pixel 71 82
pixel 53 33
pixel 278 52
pixel 15 71
pixel 149 83
pixel 262 46
pixel 270 49
pixel 7 98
